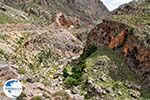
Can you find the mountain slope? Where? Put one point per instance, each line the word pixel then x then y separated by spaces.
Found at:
pixel 135 14
pixel 85 10
pixel 115 61
pixel 55 49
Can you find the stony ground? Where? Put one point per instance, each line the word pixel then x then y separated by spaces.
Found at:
pixel 59 54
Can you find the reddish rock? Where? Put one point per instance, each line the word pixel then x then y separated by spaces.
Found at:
pixel 66 21
pixel 117 36
pixel 118 40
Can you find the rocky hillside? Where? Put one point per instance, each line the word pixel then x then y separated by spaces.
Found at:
pixel 74 49
pixel 115 61
pixel 36 43
pixel 135 14
pixel 121 39
pixel 89 11
pixel 36 55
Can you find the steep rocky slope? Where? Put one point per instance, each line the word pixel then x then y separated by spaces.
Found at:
pixel 86 10
pixel 38 55
pixel 135 14
pixel 93 10
pixel 125 47
pixel 114 65
pixel 58 53
pixel 119 37
pixel 115 62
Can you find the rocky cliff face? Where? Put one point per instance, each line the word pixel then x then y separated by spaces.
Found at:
pixel 120 38
pixel 86 10
pixel 93 9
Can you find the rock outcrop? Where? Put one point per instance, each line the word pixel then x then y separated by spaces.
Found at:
pixel 120 38
pixel 63 20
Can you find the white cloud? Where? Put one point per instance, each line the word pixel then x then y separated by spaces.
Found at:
pixel 113 4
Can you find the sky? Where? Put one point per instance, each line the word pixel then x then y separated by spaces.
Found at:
pixel 113 4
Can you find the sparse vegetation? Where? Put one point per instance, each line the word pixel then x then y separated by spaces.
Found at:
pixel 6 19
pixel 45 57
pixel 21 70
pixel 48 63
pixel 137 20
pixel 37 98
pixel 3 55
pixel 123 72
pixel 115 76
pixel 62 94
pixel 109 75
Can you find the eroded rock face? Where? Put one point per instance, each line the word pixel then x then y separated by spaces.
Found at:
pixel 91 8
pixel 138 57
pixel 88 10
pixel 66 21
pixel 108 33
pixel 117 36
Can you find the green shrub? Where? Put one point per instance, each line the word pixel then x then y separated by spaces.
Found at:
pixel 21 70
pixel 77 70
pixel 131 30
pixel 76 77
pixel 65 73
pixel 69 81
